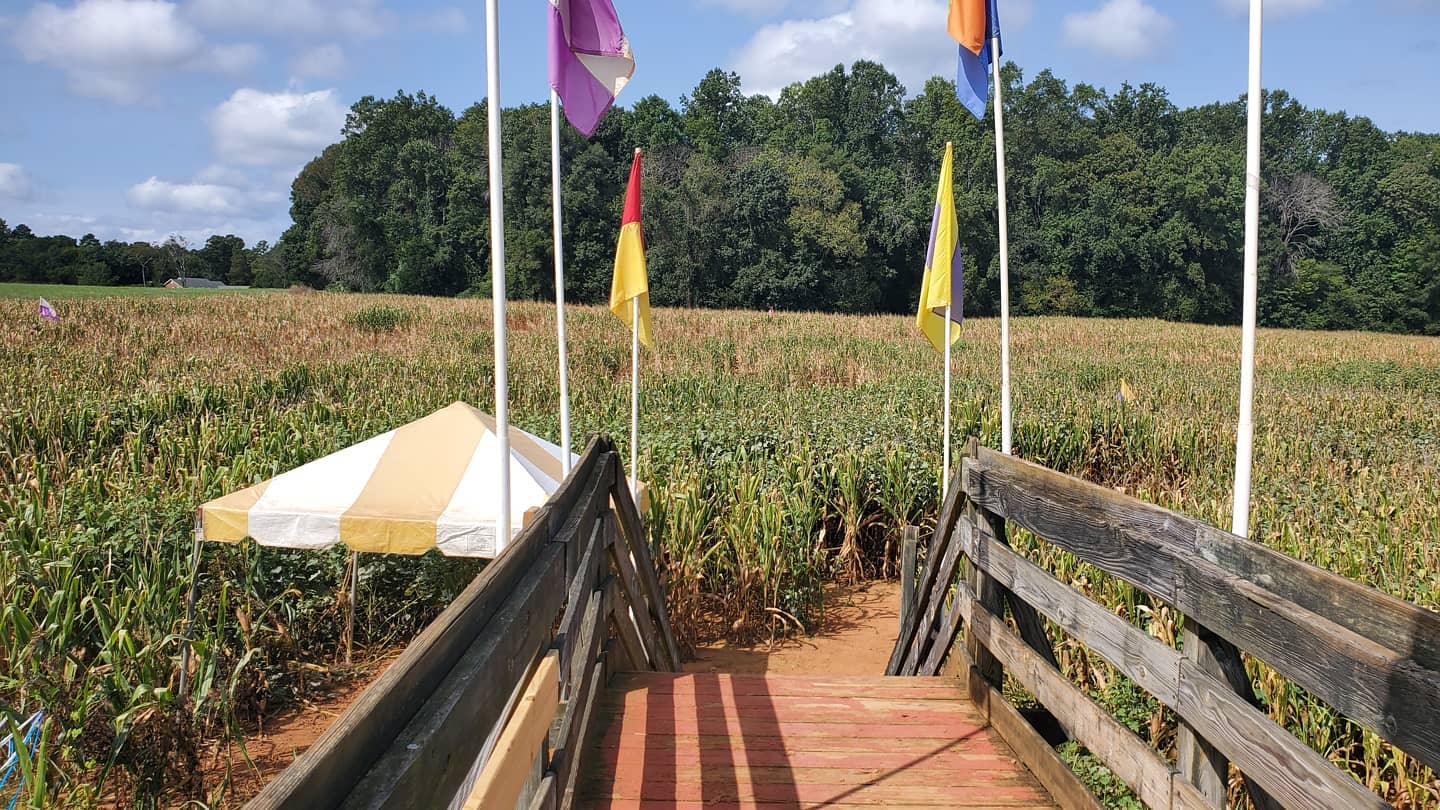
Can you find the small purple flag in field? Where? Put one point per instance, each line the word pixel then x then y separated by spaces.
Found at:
pixel 590 59
pixel 47 311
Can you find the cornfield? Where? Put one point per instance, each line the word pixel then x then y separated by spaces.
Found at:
pixel 782 451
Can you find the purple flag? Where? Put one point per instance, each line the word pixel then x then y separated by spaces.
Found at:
pixel 48 312
pixel 590 59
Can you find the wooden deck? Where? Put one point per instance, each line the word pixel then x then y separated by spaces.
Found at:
pixel 749 741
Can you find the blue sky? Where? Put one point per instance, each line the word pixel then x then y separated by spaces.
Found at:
pixel 135 119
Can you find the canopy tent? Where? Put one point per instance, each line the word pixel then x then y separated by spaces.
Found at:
pixel 433 483
pixel 429 484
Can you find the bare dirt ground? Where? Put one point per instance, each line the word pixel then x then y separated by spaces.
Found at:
pixel 233 781
pixel 855 638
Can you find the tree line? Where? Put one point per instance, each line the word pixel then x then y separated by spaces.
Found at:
pixel 26 257
pixel 1120 204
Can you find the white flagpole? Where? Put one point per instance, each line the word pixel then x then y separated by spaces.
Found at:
pixel 945 484
pixel 557 216
pixel 1245 432
pixel 634 393
pixel 1004 252
pixel 497 269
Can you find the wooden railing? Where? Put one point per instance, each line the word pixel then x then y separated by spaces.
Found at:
pixel 1371 657
pixel 465 715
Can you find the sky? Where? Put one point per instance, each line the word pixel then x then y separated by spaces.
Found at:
pixel 135 119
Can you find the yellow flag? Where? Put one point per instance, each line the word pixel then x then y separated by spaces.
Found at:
pixel 630 281
pixel 944 281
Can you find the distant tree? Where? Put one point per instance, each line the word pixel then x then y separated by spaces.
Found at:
pixel 1306 207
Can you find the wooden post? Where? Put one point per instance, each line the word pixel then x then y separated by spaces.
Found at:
pixel 909 559
pixel 987 593
pixel 1205 768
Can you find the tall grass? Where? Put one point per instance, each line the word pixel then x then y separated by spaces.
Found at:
pixel 782 451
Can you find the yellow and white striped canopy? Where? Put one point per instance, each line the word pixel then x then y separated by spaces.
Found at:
pixel 429 484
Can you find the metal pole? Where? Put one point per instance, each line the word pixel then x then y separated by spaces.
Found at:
pixel 350 617
pixel 1004 252
pixel 1245 432
pixel 497 269
pixel 945 483
pixel 189 615
pixel 559 240
pixel 634 394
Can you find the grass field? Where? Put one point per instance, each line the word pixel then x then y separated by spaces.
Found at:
pixel 63 292
pixel 783 450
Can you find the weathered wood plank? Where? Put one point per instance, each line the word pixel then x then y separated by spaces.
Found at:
pixel 632 650
pixel 567 739
pixel 1143 659
pixel 575 764
pixel 986 592
pixel 337 761
pixel 1197 760
pixel 636 611
pixel 1063 785
pixel 1154 667
pixel 505 773
pixel 577 599
pixel 909 559
pixel 939 541
pixel 1158 551
pixel 545 798
pixel 1127 756
pixel 929 608
pixel 426 763
pixel 634 531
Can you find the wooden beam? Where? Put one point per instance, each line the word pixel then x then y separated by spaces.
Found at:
pixel 635 610
pixel 937 550
pixel 1265 752
pixel 331 767
pixel 427 762
pixel 630 645
pixel 1033 751
pixel 634 531
pixel 909 560
pixel 929 608
pixel 1393 694
pixel 523 739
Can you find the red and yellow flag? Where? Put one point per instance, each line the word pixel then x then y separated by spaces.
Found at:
pixel 630 280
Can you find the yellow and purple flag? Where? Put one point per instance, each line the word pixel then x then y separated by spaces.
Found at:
pixel 590 59
pixel 944 282
pixel 975 24
pixel 630 280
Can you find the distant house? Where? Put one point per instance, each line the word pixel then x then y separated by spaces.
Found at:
pixel 194 284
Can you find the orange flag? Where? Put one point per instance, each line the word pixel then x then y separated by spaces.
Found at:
pixel 630 281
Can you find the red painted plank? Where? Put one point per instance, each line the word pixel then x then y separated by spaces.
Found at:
pixel 785 704
pixel 637 804
pixel 688 753
pixel 724 742
pixel 637 772
pixel 933 796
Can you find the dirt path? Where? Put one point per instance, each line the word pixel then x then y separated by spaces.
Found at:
pixel 859 631
pixel 284 737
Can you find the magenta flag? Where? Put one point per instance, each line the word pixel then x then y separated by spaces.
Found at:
pixel 590 59
pixel 47 311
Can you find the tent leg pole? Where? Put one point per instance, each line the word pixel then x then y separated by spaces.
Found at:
pixel 350 617
pixel 189 621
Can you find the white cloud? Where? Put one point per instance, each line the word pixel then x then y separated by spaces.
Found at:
pixel 255 128
pixel 15 183
pixel 1274 8
pixel 896 33
pixel 111 48
pixel 201 197
pixel 1128 29
pixel 325 61
pixel 365 18
pixel 903 35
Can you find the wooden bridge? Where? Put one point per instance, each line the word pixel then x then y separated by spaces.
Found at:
pixel 554 679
